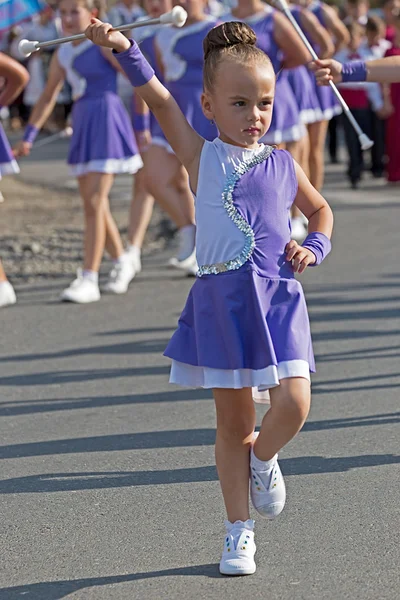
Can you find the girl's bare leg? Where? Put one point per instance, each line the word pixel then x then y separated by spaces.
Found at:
pixel 235 426
pixel 3 276
pixel 141 210
pixel 317 135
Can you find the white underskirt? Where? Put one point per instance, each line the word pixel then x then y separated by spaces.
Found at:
pixel 258 379
pixel 115 166
pixel 9 168
pixel 292 134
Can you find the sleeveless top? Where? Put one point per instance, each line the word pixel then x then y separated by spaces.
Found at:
pixel 242 209
pixel 87 70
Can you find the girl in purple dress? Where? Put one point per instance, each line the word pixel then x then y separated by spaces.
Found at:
pixel 102 145
pixel 245 322
pixel 179 55
pixel 16 78
pixel 307 97
pixel 328 104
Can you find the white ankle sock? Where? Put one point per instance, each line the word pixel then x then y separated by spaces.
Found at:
pixel 262 466
pixel 91 275
pixel 187 236
pixel 240 525
pixel 135 250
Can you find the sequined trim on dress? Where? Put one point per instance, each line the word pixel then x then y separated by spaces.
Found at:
pixel 239 221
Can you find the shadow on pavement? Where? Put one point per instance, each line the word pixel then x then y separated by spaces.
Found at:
pixel 67 482
pixel 55 590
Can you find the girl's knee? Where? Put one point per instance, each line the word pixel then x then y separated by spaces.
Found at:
pixel 93 205
pixel 295 399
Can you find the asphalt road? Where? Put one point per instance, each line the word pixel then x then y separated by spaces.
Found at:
pixel 108 485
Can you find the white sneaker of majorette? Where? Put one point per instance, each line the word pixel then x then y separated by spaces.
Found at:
pixel 189 264
pixel 120 276
pixel 135 258
pixel 239 549
pixel 299 229
pixel 7 294
pixel 82 290
pixel 267 489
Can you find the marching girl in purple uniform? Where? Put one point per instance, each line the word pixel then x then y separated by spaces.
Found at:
pixel 16 77
pixel 328 104
pixel 245 322
pixel 307 97
pixel 143 123
pixel 276 37
pixel 180 56
pixel 102 145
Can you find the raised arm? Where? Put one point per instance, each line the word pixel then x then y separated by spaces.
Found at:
pixel 16 77
pixel 185 142
pixel 382 70
pixel 43 107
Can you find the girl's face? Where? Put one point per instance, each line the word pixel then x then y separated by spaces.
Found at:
pixel 155 8
pixel 241 102
pixel 75 18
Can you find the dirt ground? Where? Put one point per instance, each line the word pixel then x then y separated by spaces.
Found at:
pixel 41 231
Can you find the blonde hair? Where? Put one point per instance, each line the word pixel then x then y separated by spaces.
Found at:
pixel 234 40
pixel 93 5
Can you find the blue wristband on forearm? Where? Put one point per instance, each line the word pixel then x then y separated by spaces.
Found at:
pixel 319 244
pixel 30 134
pixel 355 70
pixel 141 122
pixel 136 67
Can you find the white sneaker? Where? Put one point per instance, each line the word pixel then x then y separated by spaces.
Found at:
pixel 299 229
pixel 7 294
pixel 239 549
pixel 120 277
pixel 82 290
pixel 267 488
pixel 189 264
pixel 135 258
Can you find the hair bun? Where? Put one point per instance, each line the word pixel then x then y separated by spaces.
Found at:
pixel 228 34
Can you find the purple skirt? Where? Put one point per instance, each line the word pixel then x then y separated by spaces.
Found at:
pixel 102 139
pixel 286 125
pixel 328 104
pixel 305 94
pixel 8 164
pixel 240 322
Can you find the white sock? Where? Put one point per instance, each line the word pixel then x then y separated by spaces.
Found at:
pixel 239 525
pixel 5 283
pixel 135 250
pixel 187 236
pixel 91 275
pixel 262 466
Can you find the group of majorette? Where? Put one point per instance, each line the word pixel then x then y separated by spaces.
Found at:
pixel 102 144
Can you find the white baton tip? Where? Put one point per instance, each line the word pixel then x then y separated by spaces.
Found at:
pixel 25 47
pixel 365 142
pixel 177 16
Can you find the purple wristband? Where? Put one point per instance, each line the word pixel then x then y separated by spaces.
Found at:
pixel 355 70
pixel 141 122
pixel 30 134
pixel 319 244
pixel 136 67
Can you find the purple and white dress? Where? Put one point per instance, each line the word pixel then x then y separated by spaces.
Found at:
pixel 8 164
pixel 245 323
pixel 328 104
pixel 102 139
pixel 303 86
pixel 182 56
pixel 286 125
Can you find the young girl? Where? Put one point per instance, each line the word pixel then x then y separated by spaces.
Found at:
pixel 245 322
pixel 102 145
pixel 16 78
pixel 329 106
